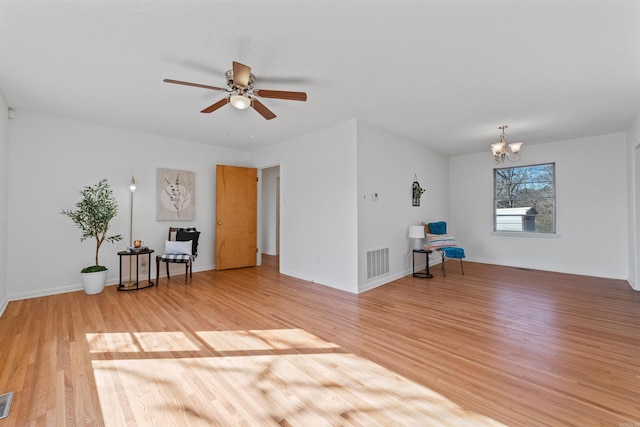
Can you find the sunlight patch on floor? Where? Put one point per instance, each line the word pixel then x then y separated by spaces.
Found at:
pixel 272 339
pixel 300 388
pixel 126 342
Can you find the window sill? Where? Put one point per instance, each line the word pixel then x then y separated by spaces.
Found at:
pixel 525 234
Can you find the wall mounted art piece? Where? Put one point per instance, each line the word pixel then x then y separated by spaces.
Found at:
pixel 175 198
pixel 416 191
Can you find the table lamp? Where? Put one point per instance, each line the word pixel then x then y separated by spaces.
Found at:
pixel 416 232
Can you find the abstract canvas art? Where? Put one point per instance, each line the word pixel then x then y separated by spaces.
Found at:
pixel 175 195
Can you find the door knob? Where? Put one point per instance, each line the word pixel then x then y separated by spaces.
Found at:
pixel 219 223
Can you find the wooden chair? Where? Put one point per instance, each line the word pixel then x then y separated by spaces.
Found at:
pixel 179 251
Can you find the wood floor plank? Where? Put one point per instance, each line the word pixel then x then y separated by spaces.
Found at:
pixel 496 346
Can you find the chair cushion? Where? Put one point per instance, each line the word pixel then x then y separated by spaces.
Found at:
pixel 177 248
pixel 189 234
pixel 181 258
pixel 456 252
pixel 439 227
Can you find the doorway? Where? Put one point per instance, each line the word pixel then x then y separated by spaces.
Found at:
pixel 270 212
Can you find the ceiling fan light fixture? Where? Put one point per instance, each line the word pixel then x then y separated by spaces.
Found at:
pixel 241 102
pixel 241 93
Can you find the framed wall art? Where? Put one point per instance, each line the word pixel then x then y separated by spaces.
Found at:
pixel 175 199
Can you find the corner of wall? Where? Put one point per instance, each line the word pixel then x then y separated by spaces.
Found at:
pixel 3 305
pixel 4 190
pixel 633 207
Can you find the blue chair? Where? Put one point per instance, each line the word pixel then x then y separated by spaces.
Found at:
pixel 453 252
pixel 444 243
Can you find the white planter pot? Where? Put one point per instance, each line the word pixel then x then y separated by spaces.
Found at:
pixel 94 283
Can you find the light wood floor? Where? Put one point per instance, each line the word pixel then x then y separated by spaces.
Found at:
pixel 249 347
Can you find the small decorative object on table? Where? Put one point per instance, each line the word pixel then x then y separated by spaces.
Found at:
pixel 137 247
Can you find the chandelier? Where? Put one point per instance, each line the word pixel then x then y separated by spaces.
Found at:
pixel 501 150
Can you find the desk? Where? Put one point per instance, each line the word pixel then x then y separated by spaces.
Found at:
pixel 137 286
pixel 425 274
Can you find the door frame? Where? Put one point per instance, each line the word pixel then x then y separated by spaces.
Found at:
pixel 262 228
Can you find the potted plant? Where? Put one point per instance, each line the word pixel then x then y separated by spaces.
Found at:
pixel 93 215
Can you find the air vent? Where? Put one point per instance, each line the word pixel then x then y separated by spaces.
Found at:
pixel 5 404
pixel 377 263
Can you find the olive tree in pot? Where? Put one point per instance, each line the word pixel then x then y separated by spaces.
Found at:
pixel 93 215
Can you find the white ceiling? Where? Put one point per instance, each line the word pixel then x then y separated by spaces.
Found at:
pixel 445 73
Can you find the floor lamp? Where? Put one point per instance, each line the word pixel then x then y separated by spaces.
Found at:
pixel 132 189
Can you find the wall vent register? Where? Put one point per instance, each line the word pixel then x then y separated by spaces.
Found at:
pixel 5 404
pixel 377 263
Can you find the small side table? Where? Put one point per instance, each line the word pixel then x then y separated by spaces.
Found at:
pixel 137 286
pixel 425 274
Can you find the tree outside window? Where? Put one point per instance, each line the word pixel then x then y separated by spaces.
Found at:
pixel 524 199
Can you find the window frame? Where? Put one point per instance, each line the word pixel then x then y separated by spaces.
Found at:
pixel 528 233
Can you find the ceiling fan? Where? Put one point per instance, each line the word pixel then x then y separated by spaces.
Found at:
pixel 242 94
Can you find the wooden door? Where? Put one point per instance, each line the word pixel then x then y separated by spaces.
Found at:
pixel 236 217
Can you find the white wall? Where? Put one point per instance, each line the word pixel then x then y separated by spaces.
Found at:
pixel 4 186
pixel 633 173
pixel 591 215
pixel 51 159
pixel 634 252
pixel 387 165
pixel 268 210
pixel 318 205
pixel 327 226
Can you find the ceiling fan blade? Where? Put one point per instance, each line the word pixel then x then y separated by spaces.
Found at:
pixel 214 107
pixel 241 74
pixel 178 82
pixel 281 94
pixel 260 108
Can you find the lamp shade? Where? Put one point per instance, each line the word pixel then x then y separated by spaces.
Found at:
pixel 416 232
pixel 240 101
pixel 497 148
pixel 515 147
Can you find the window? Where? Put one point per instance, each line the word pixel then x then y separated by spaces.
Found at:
pixel 525 199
